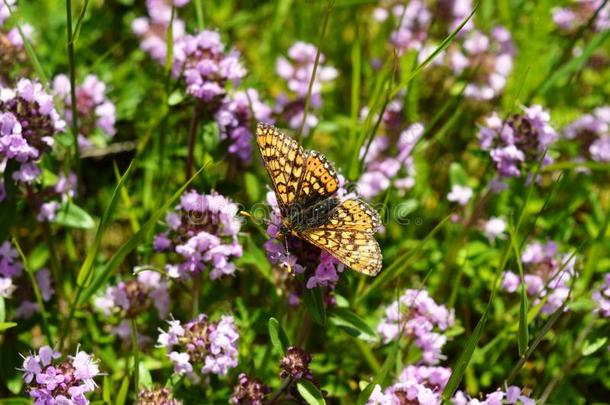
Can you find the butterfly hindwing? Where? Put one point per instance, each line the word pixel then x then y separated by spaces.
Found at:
pixel 354 214
pixel 356 249
pixel 284 160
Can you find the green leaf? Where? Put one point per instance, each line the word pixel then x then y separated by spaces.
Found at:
pixel 2 309
pixel 175 98
pixel 253 189
pixel 310 393
pixel 457 175
pixel 84 273
pixel 315 304
pixel 73 216
pixel 278 337
pixel 122 394
pixel 352 323
pixel 145 377
pixel 115 261
pixel 107 389
pixel 7 325
pixel 16 401
pixel 591 347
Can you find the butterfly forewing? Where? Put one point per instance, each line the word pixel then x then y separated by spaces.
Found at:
pixel 319 180
pixel 284 160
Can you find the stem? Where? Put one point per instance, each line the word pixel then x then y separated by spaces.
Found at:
pixel 305 329
pixel 276 395
pixel 136 356
pixel 43 312
pixel 315 67
pixel 191 139
pixel 196 292
pixel 48 238
pixel 66 327
pixel 72 66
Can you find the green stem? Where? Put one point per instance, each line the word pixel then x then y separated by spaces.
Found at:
pixel 191 139
pixel 136 356
pixel 315 67
pixel 43 312
pixel 72 69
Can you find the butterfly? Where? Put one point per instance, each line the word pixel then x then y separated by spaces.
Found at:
pixel 305 185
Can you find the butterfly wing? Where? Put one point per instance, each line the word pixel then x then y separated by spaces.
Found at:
pixel 284 160
pixel 348 236
pixel 319 181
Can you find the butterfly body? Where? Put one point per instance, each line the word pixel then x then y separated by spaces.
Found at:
pixel 305 185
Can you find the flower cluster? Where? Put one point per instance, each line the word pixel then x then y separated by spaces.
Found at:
pixel 486 61
pixel 418 317
pixel 320 267
pixel 460 194
pixel 203 232
pixel 415 385
pixel 249 391
pixel 10 268
pixel 512 395
pixel 520 140
pixel 67 382
pixel 206 66
pixel 131 298
pixel 152 30
pixel 28 122
pixel 494 228
pixel 295 364
pixel 602 297
pixel 94 109
pixel 413 27
pixel 210 347
pixel 548 275
pixel 64 189
pixel 386 166
pixel 12 51
pixel 297 70
pixel 578 13
pixel 236 118
pixel 157 396
pixel 592 134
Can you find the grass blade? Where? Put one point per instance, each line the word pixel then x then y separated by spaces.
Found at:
pixel 523 334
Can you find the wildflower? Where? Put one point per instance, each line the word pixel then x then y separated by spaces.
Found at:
pixel 6 287
pixel 385 166
pixel 297 70
pixel 235 120
pixel 206 66
pixel 512 395
pixel 152 30
pixel 548 274
pixel 209 347
pixel 521 140
pixel 12 51
pixel 203 232
pixel 592 134
pixel 494 228
pixel 10 266
pixel 578 13
pixel 28 122
pixel 131 298
pixel 94 109
pixel 416 384
pixel 249 391
pixel 460 194
pixel 602 297
pixel 157 396
pixel 418 317
pixel 65 383
pixel 64 189
pixel 295 364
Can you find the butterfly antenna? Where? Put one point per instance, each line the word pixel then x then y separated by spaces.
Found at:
pixel 287 253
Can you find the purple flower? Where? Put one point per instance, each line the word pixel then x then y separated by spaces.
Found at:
pixel 131 298
pixel 494 228
pixel 418 317
pixel 578 13
pixel 521 140
pixel 6 287
pixel 295 364
pixel 203 233
pixel 9 264
pixel 236 118
pixel 209 347
pixel 602 297
pixel 416 385
pixel 297 70
pixel 28 122
pixel 249 391
pixel 157 396
pixel 460 194
pixel 383 166
pixel 591 132
pixel 152 30
pixel 63 383
pixel 512 395
pixel 548 274
pixel 94 109
pixel 206 66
